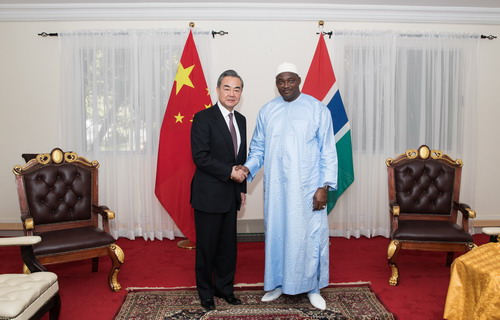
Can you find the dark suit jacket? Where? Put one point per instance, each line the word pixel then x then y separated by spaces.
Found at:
pixel 212 189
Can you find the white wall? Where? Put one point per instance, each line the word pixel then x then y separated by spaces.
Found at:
pixel 29 88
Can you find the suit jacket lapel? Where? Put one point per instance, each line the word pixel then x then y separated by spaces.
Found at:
pixel 221 124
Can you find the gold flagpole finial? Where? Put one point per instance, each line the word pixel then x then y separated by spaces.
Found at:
pixel 321 23
pixel 191 24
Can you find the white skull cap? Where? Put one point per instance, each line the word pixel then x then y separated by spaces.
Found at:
pixel 286 67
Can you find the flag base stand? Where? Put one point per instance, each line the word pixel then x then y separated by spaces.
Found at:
pixel 186 244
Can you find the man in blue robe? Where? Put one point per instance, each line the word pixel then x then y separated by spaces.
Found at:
pixel 294 141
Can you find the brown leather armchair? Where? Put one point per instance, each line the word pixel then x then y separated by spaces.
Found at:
pixel 58 198
pixel 424 189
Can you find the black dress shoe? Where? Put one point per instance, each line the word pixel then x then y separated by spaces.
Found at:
pixel 208 304
pixel 231 299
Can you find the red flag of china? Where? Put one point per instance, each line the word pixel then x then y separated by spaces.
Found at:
pixel 175 167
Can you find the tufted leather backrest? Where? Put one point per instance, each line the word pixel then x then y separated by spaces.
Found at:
pixel 59 193
pixel 424 186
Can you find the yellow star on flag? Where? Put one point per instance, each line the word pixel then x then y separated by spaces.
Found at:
pixel 178 118
pixel 182 78
pixel 208 106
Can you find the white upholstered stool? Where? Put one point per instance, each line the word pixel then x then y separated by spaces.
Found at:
pixel 28 296
pixel 22 295
pixel 493 232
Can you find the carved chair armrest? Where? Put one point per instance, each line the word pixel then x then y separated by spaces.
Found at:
pixel 104 211
pixel 28 222
pixel 394 209
pixel 26 244
pixel 465 209
pixel 106 215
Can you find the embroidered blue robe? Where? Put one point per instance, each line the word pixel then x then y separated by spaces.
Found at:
pixel 294 141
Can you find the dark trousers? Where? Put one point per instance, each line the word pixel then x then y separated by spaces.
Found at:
pixel 215 253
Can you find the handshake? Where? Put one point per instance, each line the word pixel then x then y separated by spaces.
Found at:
pixel 239 173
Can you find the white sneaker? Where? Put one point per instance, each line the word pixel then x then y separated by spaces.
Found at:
pixel 317 300
pixel 272 295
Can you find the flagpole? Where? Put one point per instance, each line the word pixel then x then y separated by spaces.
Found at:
pixel 186 243
pixel 320 83
pixel 175 167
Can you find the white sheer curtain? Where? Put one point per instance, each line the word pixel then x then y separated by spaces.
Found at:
pixel 115 87
pixel 401 90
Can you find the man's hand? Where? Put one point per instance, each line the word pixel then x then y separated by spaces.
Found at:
pixel 245 169
pixel 243 199
pixel 237 174
pixel 319 199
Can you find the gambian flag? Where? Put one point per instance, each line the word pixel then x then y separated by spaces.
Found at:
pixel 321 84
pixel 175 167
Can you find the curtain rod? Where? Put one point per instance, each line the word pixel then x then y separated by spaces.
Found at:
pixel 214 33
pixel 490 37
pixel 221 33
pixel 321 25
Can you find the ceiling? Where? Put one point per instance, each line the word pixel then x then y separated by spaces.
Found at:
pixel 435 3
pixel 484 12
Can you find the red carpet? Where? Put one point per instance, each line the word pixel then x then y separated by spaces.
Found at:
pixel 85 295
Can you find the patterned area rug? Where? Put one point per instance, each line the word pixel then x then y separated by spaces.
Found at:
pixel 343 302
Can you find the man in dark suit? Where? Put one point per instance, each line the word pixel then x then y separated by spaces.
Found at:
pixel 218 144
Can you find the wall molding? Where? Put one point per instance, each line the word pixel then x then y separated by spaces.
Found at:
pixel 250 226
pixel 11 227
pixel 486 223
pixel 248 11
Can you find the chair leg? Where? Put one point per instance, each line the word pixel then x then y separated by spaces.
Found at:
pixel 55 311
pixel 117 257
pixel 95 264
pixel 53 307
pixel 392 255
pixel 449 258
